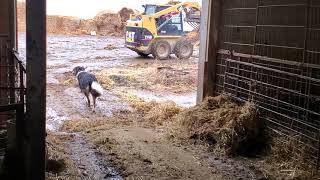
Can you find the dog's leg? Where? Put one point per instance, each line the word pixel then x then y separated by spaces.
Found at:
pixel 94 103
pixel 88 99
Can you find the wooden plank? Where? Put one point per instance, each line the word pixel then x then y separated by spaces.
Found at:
pixel 208 49
pixel 204 31
pixel 10 107
pixel 36 89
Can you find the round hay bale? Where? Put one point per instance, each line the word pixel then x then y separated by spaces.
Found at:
pixel 88 26
pixel 108 22
pixel 125 14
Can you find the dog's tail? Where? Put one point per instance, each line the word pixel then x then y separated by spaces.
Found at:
pixel 96 89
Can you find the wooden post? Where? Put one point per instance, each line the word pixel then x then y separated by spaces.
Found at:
pixel 209 46
pixel 12 45
pixel 36 89
pixel 13 24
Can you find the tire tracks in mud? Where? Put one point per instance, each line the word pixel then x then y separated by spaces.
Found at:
pixel 90 165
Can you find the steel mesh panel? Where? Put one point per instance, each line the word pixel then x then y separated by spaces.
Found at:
pixel 270 54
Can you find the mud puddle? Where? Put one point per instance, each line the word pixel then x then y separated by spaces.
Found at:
pixel 231 169
pixel 68 103
pixel 88 163
pixel 146 154
pixel 53 120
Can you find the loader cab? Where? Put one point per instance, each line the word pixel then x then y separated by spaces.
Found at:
pixel 172 27
pixel 150 9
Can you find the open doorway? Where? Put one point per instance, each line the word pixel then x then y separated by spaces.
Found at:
pixel 132 133
pixel 140 96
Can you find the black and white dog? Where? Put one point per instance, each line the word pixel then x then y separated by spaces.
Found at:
pixel 88 84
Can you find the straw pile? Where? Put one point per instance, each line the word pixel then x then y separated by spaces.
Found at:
pixel 108 23
pixel 104 23
pixel 55 155
pixel 63 24
pixel 110 47
pixel 58 165
pixel 157 78
pixel 152 112
pixel 193 36
pixel 220 122
pixel 289 157
pixel 125 14
pixel 162 112
pixel 86 26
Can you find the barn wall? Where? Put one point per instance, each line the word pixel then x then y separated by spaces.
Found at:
pixel 268 53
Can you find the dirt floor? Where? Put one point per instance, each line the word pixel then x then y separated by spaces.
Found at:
pixel 127 137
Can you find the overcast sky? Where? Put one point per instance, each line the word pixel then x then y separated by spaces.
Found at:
pixel 89 8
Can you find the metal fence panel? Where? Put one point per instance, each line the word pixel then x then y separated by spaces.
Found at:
pixel 270 54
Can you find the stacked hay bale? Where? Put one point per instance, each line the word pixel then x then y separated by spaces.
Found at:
pixel 125 14
pixel 108 23
pixel 63 24
pixel 104 23
pixel 86 26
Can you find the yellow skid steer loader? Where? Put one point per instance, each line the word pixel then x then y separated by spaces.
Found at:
pixel 159 30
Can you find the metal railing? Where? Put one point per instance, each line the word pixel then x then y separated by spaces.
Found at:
pixel 12 96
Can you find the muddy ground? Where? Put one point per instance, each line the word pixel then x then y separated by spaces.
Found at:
pixel 115 142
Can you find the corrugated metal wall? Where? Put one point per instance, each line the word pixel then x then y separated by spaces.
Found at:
pixel 270 54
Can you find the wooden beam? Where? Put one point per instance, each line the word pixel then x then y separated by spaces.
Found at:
pixel 209 46
pixel 12 35
pixel 204 33
pixel 9 107
pixel 13 24
pixel 36 88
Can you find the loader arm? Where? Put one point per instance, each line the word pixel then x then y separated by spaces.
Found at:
pixel 177 9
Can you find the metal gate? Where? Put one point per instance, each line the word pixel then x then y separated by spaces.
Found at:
pixel 269 52
pixel 12 98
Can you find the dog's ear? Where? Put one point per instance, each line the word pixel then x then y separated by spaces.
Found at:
pixel 75 70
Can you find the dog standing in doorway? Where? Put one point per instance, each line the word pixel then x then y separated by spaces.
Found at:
pixel 88 84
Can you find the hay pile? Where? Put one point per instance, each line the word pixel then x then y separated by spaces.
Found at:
pixel 119 77
pixel 110 47
pixel 161 113
pixel 80 125
pixel 153 113
pixel 125 14
pixel 62 24
pixel 58 165
pixel 177 78
pixel 288 157
pixel 55 155
pixel 220 122
pixel 194 37
pixel 104 79
pixel 86 26
pixel 104 23
pixel 108 23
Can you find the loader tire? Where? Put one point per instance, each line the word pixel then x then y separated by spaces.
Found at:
pixel 161 50
pixel 183 49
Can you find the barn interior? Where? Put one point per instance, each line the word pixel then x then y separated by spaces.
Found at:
pixel 253 50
